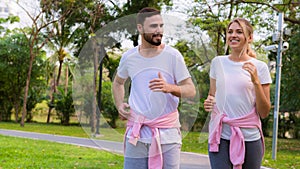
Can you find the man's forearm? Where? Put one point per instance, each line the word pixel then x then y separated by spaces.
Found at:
pixel 118 94
pixel 186 89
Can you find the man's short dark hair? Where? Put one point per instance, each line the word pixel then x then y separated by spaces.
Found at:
pixel 146 12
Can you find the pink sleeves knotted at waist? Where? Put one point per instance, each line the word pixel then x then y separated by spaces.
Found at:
pixel 170 120
pixel 237 141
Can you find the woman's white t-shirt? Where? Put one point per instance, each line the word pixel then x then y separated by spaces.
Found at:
pixel 235 94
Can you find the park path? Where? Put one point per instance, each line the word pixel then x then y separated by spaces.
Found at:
pixel 188 160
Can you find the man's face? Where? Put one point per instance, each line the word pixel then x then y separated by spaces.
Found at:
pixel 152 30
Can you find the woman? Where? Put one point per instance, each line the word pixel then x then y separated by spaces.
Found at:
pixel 239 96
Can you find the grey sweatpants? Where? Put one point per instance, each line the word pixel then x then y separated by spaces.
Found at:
pixel 136 157
pixel 253 155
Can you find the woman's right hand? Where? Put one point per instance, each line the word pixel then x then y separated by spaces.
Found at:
pixel 209 103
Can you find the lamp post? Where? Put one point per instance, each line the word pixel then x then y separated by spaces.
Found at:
pixel 102 54
pixel 279 48
pixel 282 46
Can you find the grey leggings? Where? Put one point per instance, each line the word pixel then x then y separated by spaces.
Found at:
pixel 136 157
pixel 253 155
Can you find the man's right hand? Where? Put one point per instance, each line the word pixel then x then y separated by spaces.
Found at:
pixel 124 112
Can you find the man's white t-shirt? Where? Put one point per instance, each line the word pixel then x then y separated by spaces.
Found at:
pixel 235 94
pixel 142 100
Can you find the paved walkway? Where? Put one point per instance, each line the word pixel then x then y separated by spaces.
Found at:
pixel 188 160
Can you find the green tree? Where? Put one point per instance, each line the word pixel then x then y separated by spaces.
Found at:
pixel 290 75
pixel 60 41
pixel 108 109
pixel 82 21
pixel 35 95
pixel 64 105
pixel 5 102
pixel 13 68
pixel 35 42
pixel 10 19
pixel 290 80
pixel 214 17
pixel 14 65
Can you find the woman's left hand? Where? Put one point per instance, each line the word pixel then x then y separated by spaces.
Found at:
pixel 250 67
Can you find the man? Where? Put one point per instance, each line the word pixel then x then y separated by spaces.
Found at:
pixel 159 77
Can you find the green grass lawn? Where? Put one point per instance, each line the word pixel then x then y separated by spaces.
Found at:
pixel 21 153
pixel 288 151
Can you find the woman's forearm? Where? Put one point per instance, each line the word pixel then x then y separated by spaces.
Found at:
pixel 263 104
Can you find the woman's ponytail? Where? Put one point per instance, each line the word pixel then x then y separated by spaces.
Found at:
pixel 250 51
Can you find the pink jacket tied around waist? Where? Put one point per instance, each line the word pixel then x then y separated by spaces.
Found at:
pixel 170 120
pixel 237 142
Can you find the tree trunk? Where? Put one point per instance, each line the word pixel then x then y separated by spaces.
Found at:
pixel 67 79
pixel 17 112
pixel 94 115
pixel 55 84
pixel 59 72
pixel 51 99
pixel 24 111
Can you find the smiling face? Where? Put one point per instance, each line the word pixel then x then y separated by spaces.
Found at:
pixel 235 36
pixel 238 35
pixel 152 30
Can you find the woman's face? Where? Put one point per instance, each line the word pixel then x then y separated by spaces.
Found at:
pixel 235 36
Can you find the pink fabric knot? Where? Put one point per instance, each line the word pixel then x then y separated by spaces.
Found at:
pixel 135 121
pixel 237 148
pixel 237 141
pixel 136 127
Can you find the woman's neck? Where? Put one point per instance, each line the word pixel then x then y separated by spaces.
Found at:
pixel 237 56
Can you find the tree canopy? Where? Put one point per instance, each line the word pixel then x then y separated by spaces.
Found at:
pixel 65 27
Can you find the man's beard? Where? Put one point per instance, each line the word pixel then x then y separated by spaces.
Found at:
pixel 149 38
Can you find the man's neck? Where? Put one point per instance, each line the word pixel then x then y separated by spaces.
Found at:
pixel 148 50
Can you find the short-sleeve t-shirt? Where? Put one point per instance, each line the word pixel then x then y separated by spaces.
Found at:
pixel 142 100
pixel 235 94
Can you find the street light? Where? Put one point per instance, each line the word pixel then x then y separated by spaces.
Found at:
pixel 101 43
pixel 280 47
pixel 102 54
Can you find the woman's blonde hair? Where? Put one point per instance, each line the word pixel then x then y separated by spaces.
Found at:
pixel 248 31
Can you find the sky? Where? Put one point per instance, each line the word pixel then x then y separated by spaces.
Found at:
pixel 30 5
